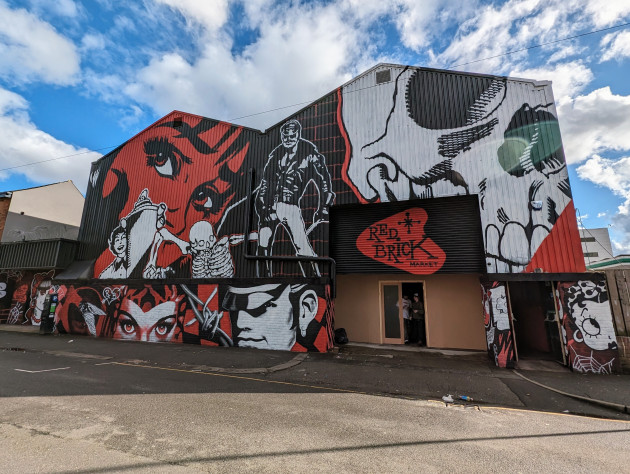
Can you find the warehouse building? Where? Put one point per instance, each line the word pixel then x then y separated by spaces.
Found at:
pixel 448 189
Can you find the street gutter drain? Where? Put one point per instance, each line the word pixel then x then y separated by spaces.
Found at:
pixel 16 349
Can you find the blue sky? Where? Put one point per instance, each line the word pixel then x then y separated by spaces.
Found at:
pixel 79 78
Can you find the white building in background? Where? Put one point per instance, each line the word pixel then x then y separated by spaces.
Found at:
pixel 596 244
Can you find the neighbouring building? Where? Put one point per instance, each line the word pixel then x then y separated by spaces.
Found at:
pixel 596 245
pixel 448 188
pixel 38 228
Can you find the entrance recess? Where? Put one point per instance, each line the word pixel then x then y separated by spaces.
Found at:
pixel 535 321
pixel 394 330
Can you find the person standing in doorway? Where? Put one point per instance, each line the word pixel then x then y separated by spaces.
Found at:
pixel 406 306
pixel 417 315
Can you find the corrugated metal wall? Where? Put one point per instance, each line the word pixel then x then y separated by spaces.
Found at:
pixel 433 133
pixel 424 134
pixel 399 238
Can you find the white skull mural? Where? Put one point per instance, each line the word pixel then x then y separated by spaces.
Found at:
pixel 482 135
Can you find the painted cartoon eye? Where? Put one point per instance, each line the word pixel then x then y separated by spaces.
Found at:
pixel 164 157
pixel 164 326
pixel 205 198
pixel 591 327
pixel 127 327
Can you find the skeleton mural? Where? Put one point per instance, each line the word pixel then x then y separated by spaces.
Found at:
pixel 497 322
pixel 272 316
pixel 487 141
pixel 289 169
pixel 209 257
pixel 173 175
pixel 587 326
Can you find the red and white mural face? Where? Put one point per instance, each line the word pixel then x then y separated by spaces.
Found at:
pixel 172 177
pixel 497 322
pixel 270 316
pixel 587 326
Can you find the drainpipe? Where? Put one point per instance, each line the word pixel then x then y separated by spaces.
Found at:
pixel 282 258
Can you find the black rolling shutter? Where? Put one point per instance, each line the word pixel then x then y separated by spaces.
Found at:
pixel 440 235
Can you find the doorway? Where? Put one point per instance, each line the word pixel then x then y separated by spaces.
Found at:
pixel 403 312
pixel 535 322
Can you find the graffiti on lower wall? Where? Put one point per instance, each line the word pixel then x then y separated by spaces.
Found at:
pixel 22 295
pixel 587 326
pixel 499 339
pixel 280 316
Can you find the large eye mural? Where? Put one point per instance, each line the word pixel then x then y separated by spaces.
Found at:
pixel 172 176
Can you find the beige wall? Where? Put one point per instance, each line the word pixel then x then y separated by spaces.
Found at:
pixel 60 202
pixel 453 309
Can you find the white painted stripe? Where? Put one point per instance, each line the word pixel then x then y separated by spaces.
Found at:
pixel 38 371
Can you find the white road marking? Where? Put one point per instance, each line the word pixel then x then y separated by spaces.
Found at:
pixel 105 363
pixel 38 371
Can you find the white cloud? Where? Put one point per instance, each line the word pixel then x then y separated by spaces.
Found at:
pixel 22 142
pixel 568 78
pixel 614 175
pixel 607 12
pixel 63 8
pixel 602 214
pixel 31 49
pixel 299 55
pixel 618 46
pixel 212 15
pixel 594 123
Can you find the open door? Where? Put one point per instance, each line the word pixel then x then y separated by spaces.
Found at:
pixel 497 319
pixel 392 331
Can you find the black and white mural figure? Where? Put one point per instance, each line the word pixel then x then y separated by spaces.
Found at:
pixel 587 324
pixel 206 256
pixel 271 316
pixel 430 134
pixel 291 166
pixel 132 238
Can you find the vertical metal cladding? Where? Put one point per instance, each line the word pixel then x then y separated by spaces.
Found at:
pixel 171 202
pixel 433 133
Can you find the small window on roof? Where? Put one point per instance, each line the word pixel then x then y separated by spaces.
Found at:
pixel 384 75
pixel 177 122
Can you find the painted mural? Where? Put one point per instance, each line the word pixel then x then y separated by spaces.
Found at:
pixel 587 326
pixel 431 134
pixel 497 322
pixel 170 190
pixel 280 316
pixel 172 201
pixel 400 241
pixel 290 168
pixel 22 295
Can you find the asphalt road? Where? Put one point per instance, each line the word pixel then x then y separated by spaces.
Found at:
pixel 79 412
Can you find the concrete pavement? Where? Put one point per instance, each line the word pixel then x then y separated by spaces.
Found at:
pixel 416 374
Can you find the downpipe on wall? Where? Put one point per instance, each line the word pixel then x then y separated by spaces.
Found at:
pixel 283 258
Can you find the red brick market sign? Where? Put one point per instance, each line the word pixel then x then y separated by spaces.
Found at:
pixel 401 242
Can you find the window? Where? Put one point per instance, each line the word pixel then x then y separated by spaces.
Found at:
pixel 383 76
pixel 591 254
pixel 588 239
